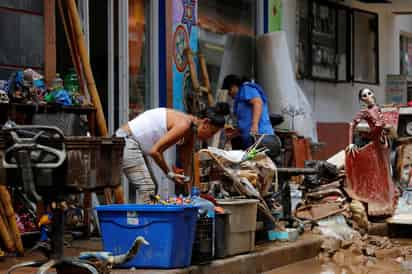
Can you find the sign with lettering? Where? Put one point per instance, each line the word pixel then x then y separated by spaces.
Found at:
pixel 396 89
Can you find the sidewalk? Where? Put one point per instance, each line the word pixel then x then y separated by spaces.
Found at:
pixel 266 257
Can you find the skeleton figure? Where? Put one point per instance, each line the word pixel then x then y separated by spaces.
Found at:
pixel 4 98
pixel 368 169
pixel 367 96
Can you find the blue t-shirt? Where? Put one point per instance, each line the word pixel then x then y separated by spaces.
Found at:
pixel 244 111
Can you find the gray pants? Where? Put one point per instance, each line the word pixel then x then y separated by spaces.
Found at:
pixel 137 172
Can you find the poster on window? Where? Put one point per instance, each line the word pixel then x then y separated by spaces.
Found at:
pixel 275 15
pixel 396 89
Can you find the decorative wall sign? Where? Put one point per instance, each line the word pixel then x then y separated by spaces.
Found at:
pixel 180 42
pixel 189 14
pixel 185 34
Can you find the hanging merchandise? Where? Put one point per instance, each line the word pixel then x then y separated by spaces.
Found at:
pixel 276 75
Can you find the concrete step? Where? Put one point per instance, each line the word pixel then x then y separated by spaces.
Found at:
pixel 266 257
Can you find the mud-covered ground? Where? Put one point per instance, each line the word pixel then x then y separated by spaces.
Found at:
pixel 370 254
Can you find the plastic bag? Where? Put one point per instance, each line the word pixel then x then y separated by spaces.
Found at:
pixel 336 227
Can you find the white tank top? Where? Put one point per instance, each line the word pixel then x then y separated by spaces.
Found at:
pixel 149 127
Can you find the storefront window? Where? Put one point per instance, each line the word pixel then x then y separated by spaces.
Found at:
pixel 365 36
pixel 21 28
pixel 226 37
pixel 139 53
pixel 336 43
pixel 406 55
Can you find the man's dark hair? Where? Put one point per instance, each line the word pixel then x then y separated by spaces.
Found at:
pixel 231 80
pixel 216 114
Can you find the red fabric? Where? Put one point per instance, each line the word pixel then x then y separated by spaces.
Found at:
pixel 369 179
pixel 209 198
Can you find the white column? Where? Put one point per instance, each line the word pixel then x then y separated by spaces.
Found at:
pixel 154 53
pixel 123 61
pixel 123 42
pixel 110 65
pixel 260 18
pixel 84 15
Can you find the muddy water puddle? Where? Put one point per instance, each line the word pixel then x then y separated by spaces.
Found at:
pixel 375 255
pixel 315 266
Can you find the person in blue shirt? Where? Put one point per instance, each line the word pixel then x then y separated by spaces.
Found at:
pixel 252 113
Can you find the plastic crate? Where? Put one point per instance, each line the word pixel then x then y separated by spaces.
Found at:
pixel 240 227
pixel 170 230
pixel 221 230
pixel 110 164
pixel 203 246
pixel 82 162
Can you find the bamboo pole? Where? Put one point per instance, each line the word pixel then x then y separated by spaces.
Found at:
pixel 205 77
pixel 5 230
pixel 5 235
pixel 91 85
pixel 72 47
pixel 49 40
pixel 196 169
pixel 118 194
pixel 3 214
pixel 192 67
pixel 11 217
pixel 108 196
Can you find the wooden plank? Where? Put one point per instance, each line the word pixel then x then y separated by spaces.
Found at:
pixel 49 7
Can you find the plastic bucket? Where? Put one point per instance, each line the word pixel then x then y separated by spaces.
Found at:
pixel 170 231
pixel 110 164
pixel 83 155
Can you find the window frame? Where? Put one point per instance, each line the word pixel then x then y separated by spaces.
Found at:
pixel 377 82
pixel 350 45
pixel 22 11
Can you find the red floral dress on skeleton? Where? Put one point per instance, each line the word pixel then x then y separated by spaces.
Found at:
pixel 368 171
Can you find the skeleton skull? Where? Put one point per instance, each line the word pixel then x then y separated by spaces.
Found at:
pixel 367 96
pixel 4 98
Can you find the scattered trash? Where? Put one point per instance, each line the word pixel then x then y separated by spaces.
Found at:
pixel 336 227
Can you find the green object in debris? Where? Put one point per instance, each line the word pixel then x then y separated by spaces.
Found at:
pixel 50 98
pixel 253 153
pixel 71 82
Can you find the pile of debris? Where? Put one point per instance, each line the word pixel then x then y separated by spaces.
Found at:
pixel 365 254
pixel 323 193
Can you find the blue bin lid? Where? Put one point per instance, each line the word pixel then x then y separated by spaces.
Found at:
pixel 146 208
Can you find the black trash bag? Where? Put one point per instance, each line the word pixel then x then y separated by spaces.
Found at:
pixel 326 172
pixel 276 119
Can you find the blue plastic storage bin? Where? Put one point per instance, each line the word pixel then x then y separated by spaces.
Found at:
pixel 170 230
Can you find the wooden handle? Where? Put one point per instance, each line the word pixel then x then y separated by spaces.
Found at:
pixel 11 217
pixel 91 85
pixel 196 170
pixel 205 78
pixel 8 242
pixel 118 194
pixel 192 67
pixel 74 51
pixel 203 71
